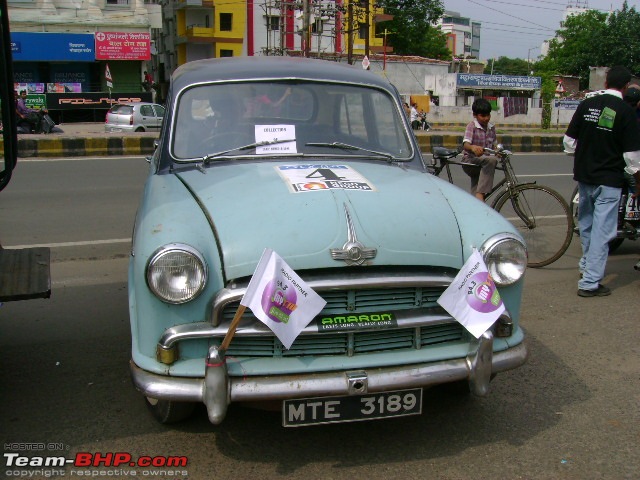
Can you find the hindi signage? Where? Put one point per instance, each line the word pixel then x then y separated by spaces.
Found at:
pixel 27 46
pixel 498 82
pixel 123 46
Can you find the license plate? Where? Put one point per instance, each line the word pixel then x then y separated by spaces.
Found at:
pixel 356 408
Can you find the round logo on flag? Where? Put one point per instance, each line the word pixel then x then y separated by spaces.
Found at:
pixel 278 302
pixel 482 294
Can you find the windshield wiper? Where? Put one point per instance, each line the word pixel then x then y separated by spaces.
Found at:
pixel 347 146
pixel 207 158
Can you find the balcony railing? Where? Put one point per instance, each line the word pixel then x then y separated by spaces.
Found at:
pixel 199 31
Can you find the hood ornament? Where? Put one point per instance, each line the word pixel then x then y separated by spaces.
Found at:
pixel 353 252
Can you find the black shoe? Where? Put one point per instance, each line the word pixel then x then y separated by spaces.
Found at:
pixel 601 291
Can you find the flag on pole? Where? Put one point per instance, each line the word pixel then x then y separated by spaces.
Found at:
pixel 280 299
pixel 472 298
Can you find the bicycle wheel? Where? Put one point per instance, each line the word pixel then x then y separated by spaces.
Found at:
pixel 574 210
pixel 543 219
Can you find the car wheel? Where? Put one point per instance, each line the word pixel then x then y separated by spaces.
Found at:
pixel 168 411
pixel 139 129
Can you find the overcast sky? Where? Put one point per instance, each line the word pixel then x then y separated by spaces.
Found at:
pixel 517 28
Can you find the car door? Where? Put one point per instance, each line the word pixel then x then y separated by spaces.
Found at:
pixel 159 115
pixel 148 119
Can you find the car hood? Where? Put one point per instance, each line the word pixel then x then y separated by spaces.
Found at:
pixel 253 205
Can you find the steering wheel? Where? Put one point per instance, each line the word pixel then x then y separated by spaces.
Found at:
pixel 218 141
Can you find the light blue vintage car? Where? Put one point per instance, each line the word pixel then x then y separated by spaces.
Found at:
pixel 315 160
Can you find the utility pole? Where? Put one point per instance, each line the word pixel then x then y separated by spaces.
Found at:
pixel 367 14
pixel 350 33
pixel 306 28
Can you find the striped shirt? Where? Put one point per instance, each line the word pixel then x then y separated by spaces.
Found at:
pixel 476 135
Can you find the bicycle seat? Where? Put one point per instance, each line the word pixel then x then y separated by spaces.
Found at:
pixel 442 153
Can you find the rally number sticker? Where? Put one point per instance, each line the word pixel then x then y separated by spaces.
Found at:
pixel 309 178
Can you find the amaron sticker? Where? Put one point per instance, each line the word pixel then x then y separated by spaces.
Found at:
pixel 314 177
pixel 333 323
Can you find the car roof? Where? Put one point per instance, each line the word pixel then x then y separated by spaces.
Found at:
pixel 263 68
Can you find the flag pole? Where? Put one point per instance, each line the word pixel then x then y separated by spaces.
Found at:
pixel 232 329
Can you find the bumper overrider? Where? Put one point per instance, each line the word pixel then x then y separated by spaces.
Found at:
pixel 217 389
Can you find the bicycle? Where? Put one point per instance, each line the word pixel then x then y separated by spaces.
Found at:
pixel 541 215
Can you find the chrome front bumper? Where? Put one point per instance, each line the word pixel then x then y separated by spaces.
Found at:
pixel 217 390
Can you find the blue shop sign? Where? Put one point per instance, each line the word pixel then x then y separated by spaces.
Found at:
pixel 566 104
pixel 498 82
pixel 74 47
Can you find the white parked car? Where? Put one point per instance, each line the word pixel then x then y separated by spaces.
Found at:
pixel 134 117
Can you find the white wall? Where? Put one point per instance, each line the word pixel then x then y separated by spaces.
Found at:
pixel 453 114
pixel 408 78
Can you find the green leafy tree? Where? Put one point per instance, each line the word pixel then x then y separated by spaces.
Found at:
pixel 508 66
pixel 412 30
pixel 595 39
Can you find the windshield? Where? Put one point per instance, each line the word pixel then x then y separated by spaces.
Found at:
pixel 263 119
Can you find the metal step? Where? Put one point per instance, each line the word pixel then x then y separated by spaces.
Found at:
pixel 25 273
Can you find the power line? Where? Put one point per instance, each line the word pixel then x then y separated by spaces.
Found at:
pixel 512 16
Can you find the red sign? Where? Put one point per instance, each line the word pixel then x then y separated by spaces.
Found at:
pixel 123 46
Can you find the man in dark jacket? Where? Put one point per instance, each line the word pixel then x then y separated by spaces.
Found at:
pixel 604 137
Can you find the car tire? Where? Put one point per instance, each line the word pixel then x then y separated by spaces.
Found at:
pixel 168 411
pixel 139 129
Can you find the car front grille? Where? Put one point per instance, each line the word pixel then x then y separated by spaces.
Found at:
pixel 354 301
pixel 347 343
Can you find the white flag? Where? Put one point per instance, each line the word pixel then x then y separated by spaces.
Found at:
pixel 279 298
pixel 472 298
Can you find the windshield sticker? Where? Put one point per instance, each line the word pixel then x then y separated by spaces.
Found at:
pixel 308 178
pixel 336 323
pixel 279 139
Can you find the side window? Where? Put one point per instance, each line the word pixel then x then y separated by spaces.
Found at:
pixel 159 111
pixel 146 111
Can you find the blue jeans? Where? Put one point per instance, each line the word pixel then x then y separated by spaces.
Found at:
pixel 598 223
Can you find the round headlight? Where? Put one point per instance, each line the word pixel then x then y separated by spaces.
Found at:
pixel 176 273
pixel 506 258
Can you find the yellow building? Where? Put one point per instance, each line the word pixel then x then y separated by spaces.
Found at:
pixel 209 29
pixel 197 29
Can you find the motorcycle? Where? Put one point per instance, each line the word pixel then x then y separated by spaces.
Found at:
pixel 41 118
pixel 628 219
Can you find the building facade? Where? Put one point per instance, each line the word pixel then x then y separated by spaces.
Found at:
pixel 463 34
pixel 198 29
pixel 71 52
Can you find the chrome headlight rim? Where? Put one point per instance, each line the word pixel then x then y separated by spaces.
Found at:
pixel 174 248
pixel 493 245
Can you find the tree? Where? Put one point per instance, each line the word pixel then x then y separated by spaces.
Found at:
pixel 595 39
pixel 412 28
pixel 508 66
